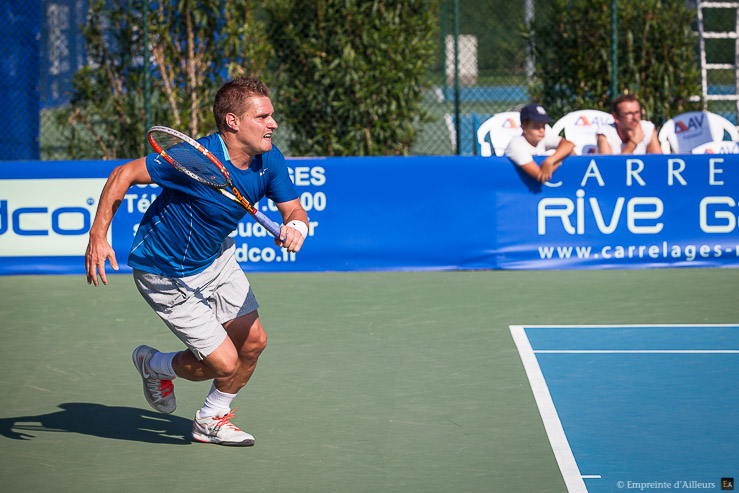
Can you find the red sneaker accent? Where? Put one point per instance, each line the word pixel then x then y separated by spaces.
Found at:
pixel 166 387
pixel 224 421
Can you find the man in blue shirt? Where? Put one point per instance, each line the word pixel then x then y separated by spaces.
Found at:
pixel 184 261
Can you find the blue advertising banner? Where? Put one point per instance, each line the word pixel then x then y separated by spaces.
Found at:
pixel 418 213
pixel 621 212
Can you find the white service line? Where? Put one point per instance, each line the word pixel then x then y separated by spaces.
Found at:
pixel 637 351
pixel 557 438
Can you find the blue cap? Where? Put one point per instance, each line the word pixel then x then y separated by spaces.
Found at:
pixel 535 112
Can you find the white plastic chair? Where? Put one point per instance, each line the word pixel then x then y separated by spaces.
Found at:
pixel 717 147
pixel 683 133
pixel 580 127
pixel 501 127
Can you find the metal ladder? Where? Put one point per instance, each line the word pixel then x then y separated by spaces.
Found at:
pixel 705 67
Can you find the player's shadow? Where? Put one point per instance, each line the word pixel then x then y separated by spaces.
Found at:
pixel 118 423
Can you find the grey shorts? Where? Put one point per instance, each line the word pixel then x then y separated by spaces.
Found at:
pixel 196 307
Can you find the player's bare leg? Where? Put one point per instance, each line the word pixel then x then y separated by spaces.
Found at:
pixel 231 366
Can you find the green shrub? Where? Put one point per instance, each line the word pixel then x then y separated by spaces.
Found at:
pixel 657 56
pixel 193 48
pixel 351 73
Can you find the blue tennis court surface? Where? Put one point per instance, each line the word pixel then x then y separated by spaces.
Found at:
pixel 638 407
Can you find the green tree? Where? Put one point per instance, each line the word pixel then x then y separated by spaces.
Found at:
pixel 657 58
pixel 351 72
pixel 192 47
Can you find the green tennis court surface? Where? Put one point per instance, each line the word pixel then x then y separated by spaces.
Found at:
pixel 370 382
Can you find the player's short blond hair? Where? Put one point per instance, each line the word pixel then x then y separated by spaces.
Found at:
pixel 232 97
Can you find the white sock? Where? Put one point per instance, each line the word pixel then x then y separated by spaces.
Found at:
pixel 216 403
pixel 161 364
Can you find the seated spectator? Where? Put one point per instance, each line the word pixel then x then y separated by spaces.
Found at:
pixel 536 140
pixel 628 134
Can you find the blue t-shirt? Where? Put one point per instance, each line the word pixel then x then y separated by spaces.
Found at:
pixel 182 231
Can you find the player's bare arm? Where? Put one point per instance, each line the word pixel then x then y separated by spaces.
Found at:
pixel 603 146
pixel 98 248
pixel 292 239
pixel 551 163
pixel 636 135
pixel 532 169
pixel 654 147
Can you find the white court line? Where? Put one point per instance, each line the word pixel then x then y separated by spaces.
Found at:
pixel 628 326
pixel 557 438
pixel 637 351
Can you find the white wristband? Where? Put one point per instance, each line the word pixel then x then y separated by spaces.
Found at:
pixel 300 226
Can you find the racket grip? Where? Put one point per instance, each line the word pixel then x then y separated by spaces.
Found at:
pixel 268 224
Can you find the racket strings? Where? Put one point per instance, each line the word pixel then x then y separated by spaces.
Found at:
pixel 191 159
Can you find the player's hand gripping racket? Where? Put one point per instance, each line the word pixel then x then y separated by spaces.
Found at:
pixel 197 162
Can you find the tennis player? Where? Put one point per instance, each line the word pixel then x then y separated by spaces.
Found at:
pixel 183 258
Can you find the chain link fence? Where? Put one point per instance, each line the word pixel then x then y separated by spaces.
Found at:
pixel 483 66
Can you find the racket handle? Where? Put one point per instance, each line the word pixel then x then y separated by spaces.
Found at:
pixel 268 224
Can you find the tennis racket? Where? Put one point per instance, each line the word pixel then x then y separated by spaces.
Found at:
pixel 197 162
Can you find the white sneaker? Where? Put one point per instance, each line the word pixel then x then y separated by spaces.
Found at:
pixel 159 393
pixel 218 429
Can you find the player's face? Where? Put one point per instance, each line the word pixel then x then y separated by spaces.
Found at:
pixel 534 131
pixel 256 125
pixel 628 114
